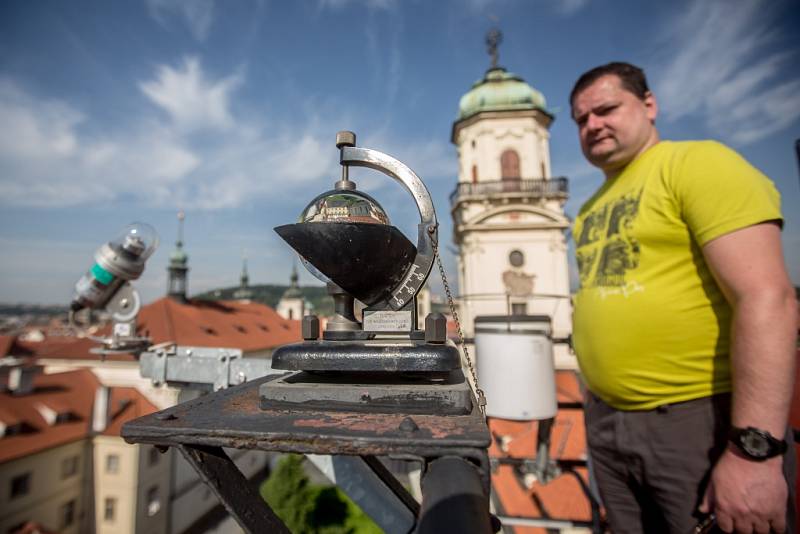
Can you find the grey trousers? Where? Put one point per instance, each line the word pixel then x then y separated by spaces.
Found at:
pixel 652 467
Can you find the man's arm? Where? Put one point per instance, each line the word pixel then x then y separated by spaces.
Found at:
pixel 749 267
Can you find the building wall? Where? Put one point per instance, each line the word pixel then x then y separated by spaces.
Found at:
pixel 292 308
pixel 490 226
pixel 192 498
pixel 128 486
pixel 49 489
pixel 482 142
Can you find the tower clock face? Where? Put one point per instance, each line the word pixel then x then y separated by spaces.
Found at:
pixel 516 258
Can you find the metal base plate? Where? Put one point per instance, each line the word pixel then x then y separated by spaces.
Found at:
pixel 378 355
pixel 233 418
pixel 375 392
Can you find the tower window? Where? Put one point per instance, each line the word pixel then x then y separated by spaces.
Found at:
pixel 474 174
pixel 516 258
pixel 509 165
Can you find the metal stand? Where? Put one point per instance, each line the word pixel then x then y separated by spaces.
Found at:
pixel 451 448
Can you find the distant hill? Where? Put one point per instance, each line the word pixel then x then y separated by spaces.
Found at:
pixel 270 295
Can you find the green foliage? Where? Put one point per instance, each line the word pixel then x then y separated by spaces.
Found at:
pixel 308 508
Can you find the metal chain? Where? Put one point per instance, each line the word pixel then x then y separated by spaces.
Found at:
pixel 478 391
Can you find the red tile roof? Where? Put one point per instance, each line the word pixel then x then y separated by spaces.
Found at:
pixel 70 392
pixel 74 389
pixel 126 404
pixel 563 497
pixel 248 326
pixel 6 342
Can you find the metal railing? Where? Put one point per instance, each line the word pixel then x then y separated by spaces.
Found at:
pixel 538 187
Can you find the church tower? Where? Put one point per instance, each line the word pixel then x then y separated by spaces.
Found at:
pixel 292 303
pixel 178 266
pixel 243 292
pixel 508 211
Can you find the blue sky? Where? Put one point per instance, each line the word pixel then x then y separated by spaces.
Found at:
pixel 112 112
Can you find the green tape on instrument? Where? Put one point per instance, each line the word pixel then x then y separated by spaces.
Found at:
pixel 102 276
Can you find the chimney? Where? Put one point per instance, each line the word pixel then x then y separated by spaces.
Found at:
pixel 102 409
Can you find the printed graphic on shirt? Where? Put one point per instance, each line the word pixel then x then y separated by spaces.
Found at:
pixel 605 248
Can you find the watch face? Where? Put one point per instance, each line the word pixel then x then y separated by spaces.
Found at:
pixel 755 444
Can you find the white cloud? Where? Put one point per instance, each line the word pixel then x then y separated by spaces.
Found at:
pixel 370 4
pixel 49 158
pixel 198 15
pixel 722 68
pixel 45 161
pixel 192 101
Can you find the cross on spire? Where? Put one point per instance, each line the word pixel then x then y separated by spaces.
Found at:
pixel 493 39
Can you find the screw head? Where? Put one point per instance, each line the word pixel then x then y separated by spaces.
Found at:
pixel 408 425
pixel 166 416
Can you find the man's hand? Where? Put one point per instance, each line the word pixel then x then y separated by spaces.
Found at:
pixel 747 496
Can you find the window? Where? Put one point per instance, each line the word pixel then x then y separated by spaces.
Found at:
pixel 153 502
pixel 509 165
pixel 153 456
pixel 20 485
pixel 474 174
pixel 112 463
pixel 519 308
pixel 67 514
pixel 291 313
pixel 69 467
pixel 109 508
pixel 516 258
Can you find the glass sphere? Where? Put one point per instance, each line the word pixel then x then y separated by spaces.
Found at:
pixel 137 240
pixel 342 206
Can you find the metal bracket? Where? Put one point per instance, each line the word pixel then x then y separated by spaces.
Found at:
pixel 209 368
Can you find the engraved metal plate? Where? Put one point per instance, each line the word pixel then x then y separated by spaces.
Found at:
pixel 387 321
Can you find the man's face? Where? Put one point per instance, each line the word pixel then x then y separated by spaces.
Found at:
pixel 614 125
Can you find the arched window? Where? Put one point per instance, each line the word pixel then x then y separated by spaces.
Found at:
pixel 474 174
pixel 509 165
pixel 509 170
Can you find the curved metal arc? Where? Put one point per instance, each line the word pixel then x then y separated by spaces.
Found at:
pixel 428 229
pixel 373 159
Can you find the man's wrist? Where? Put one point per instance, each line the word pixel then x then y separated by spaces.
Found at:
pixel 756 444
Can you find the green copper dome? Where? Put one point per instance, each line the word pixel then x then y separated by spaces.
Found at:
pixel 500 90
pixel 178 256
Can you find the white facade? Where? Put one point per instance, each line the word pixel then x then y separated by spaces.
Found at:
pixel 292 308
pixel 509 223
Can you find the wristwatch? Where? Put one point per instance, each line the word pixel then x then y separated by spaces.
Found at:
pixel 756 444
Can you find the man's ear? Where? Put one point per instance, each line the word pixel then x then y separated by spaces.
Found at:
pixel 651 105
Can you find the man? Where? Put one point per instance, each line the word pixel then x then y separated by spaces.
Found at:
pixel 684 325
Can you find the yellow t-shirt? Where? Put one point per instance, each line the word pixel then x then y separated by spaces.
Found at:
pixel 651 327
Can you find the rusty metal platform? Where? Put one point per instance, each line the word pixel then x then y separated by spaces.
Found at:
pixel 233 418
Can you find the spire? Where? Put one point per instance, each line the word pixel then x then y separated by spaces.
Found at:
pixel 493 39
pixel 178 265
pixel 244 292
pixel 293 278
pixel 244 279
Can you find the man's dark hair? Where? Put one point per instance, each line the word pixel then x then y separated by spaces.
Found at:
pixel 631 76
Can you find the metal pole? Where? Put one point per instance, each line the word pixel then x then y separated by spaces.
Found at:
pixel 453 499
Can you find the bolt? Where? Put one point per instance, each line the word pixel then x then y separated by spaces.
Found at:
pixel 241 378
pixel 408 425
pixel 124 303
pixel 189 352
pixel 163 416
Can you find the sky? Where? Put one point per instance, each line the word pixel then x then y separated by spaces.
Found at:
pixel 114 112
